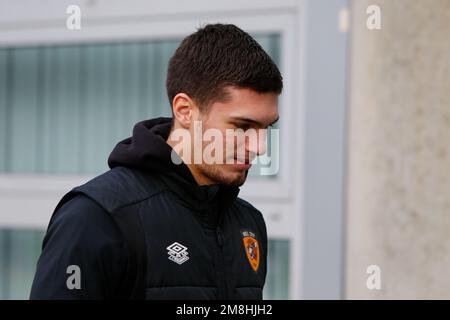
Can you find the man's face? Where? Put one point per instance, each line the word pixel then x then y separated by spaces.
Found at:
pixel 244 113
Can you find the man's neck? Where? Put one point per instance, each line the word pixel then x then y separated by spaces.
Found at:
pixel 193 168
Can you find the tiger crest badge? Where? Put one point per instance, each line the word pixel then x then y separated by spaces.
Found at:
pixel 251 246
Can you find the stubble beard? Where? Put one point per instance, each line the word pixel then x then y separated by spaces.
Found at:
pixel 217 174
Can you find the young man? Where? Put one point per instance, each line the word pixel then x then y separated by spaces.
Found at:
pixel 160 224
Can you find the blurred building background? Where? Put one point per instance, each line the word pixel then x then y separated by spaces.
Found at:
pixel 364 125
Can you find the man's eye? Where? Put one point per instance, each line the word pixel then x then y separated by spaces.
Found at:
pixel 244 127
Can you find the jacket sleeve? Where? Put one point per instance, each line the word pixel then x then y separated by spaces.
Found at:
pixel 83 255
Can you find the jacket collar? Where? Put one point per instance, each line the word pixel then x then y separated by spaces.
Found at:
pixel 201 198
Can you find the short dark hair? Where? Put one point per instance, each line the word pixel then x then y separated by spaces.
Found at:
pixel 216 56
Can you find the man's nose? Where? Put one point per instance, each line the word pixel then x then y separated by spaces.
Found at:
pixel 258 146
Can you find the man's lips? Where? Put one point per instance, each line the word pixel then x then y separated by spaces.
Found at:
pixel 242 164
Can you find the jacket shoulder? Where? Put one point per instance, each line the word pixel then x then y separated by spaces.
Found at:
pixel 121 186
pixel 243 203
pixel 257 215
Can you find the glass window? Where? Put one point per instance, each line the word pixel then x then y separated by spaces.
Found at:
pixel 19 252
pixel 277 281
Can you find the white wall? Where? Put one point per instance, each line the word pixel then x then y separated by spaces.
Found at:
pixel 399 151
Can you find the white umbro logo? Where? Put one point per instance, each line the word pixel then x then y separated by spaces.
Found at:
pixel 177 253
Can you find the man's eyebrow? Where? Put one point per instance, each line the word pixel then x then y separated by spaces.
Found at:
pixel 245 119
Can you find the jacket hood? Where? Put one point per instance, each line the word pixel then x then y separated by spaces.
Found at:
pixel 147 150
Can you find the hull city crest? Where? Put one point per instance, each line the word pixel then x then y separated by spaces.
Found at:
pixel 252 250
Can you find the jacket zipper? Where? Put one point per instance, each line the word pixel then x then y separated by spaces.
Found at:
pixel 223 289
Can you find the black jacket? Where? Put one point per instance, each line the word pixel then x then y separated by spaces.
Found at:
pixel 146 230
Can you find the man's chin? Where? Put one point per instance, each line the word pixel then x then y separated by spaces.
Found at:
pixel 236 179
pixel 228 176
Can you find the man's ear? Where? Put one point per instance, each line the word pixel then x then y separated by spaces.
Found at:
pixel 183 108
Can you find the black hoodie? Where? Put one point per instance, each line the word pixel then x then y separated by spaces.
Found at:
pixel 146 229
